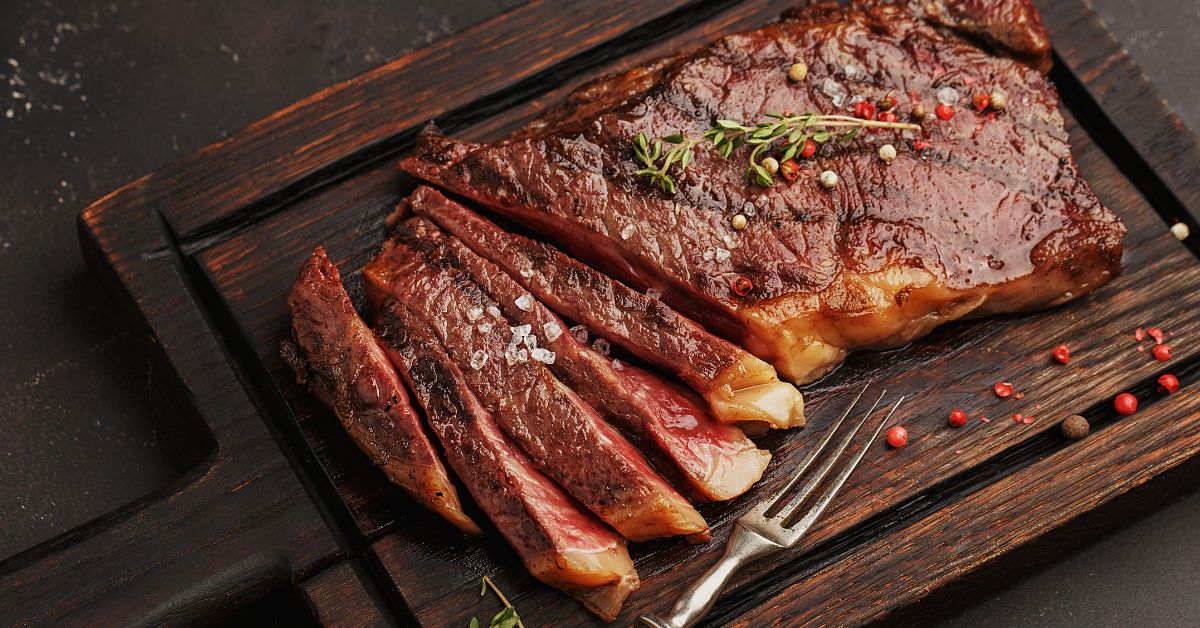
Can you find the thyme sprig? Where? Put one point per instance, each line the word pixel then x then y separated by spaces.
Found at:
pixel 786 133
pixel 506 618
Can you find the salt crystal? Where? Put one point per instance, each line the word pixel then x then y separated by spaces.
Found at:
pixel 626 232
pixel 474 314
pixel 722 254
pixel 853 72
pixel 478 359
pixel 542 355
pixel 617 365
pixel 525 302
pixel 708 255
pixel 653 294
pixel 531 341
pixel 834 90
pixel 527 272
pixel 522 355
pixel 485 327
pixel 855 99
pixel 948 96
pixel 493 310
pixel 731 242
pixel 552 330
pixel 520 331
pixel 579 332
pixel 601 345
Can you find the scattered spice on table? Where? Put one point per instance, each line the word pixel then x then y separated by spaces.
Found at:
pixel 1075 427
pixel 897 436
pixel 1125 404
pixel 1019 395
pixel 1028 419
pixel 1168 383
pixel 958 418
pixel 1162 353
pixel 985 419
pixel 1018 417
pixel 1156 334
pixel 1003 389
pixel 1061 354
pixel 1140 334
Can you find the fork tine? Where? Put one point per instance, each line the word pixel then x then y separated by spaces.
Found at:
pixel 793 504
pixel 802 526
pixel 773 500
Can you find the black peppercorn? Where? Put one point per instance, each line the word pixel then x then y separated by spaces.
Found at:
pixel 1075 427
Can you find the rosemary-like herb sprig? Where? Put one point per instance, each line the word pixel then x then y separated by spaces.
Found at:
pixel 787 132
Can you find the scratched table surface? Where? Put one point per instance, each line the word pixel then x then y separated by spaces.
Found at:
pixel 95 94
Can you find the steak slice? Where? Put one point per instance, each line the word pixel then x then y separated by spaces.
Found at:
pixel 737 386
pixel 986 214
pixel 563 436
pixel 346 369
pixel 560 543
pixel 710 461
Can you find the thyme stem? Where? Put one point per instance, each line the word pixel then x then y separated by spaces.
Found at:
pixel 727 136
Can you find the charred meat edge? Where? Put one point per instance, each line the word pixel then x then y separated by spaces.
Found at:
pixel 346 369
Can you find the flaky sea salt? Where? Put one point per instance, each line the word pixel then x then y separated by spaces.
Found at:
pixel 478 359
pixel 617 365
pixel 530 341
pixel 474 314
pixel 493 310
pixel 485 327
pixel 579 332
pixel 520 331
pixel 834 90
pixel 601 345
pixel 513 355
pixel 731 240
pixel 527 272
pixel 948 96
pixel 709 254
pixel 626 231
pixel 552 330
pixel 542 355
pixel 653 294
pixel 525 302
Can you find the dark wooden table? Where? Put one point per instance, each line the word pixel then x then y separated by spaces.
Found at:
pixel 100 93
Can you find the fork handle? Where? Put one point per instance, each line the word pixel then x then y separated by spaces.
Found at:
pixel 744 547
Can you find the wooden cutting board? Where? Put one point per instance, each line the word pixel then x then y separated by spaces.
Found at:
pixel 202 254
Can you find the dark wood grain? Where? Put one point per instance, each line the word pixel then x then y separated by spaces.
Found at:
pixel 237 219
pixel 1155 146
pixel 341 597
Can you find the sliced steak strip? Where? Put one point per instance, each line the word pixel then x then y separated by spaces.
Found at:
pixel 985 212
pixel 346 369
pixel 737 386
pixel 560 543
pixel 710 461
pixel 563 435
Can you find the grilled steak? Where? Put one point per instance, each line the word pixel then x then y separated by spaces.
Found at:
pixel 737 385
pixel 563 435
pixel 561 544
pixel 709 461
pixel 978 214
pixel 346 369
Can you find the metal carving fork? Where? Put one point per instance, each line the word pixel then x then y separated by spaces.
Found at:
pixel 769 528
